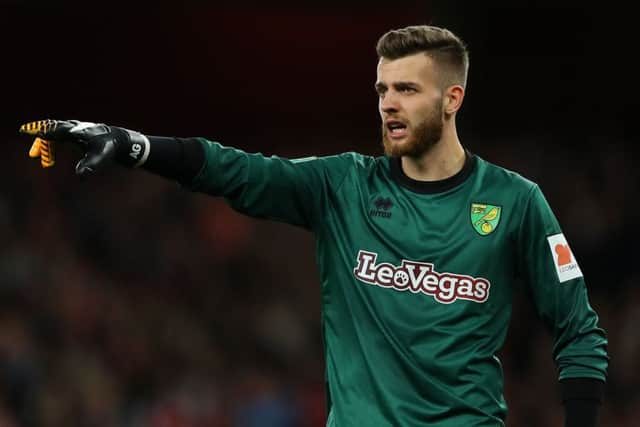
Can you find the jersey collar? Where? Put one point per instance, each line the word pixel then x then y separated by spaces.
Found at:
pixel 430 187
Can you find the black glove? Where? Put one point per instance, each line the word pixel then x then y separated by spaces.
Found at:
pixel 100 143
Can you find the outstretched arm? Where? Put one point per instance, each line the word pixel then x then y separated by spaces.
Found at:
pixel 293 191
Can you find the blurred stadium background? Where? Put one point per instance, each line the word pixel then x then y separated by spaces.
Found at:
pixel 126 301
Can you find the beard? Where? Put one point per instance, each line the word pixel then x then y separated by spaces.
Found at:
pixel 422 138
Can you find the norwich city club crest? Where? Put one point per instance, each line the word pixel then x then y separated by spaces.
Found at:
pixel 485 218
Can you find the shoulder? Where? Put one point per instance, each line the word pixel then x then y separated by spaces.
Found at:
pixel 500 176
pixel 360 160
pixel 357 163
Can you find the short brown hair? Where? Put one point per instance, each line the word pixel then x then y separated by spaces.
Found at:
pixel 447 49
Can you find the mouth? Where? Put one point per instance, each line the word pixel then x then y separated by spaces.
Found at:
pixel 396 129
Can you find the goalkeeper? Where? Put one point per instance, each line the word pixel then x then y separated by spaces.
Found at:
pixel 418 250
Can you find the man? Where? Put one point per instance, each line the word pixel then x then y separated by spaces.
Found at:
pixel 418 250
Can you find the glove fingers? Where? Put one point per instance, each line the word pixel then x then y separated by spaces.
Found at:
pixel 44 150
pixel 34 128
pixel 47 157
pixel 48 129
pixel 34 151
pixel 92 138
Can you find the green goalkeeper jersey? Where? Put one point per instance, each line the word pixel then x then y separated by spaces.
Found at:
pixel 417 279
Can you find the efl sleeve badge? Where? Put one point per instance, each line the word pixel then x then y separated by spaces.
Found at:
pixel 563 259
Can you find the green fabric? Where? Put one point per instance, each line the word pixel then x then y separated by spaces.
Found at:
pixel 417 288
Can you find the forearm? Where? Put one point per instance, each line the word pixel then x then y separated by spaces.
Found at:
pixel 180 159
pixel 261 187
pixel 581 398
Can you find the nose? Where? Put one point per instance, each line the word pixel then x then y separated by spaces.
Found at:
pixel 389 103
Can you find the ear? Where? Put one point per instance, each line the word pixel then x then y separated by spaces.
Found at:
pixel 453 97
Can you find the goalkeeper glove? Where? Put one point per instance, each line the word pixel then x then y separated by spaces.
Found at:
pixel 100 143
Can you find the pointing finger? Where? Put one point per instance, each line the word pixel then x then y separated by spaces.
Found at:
pixel 38 128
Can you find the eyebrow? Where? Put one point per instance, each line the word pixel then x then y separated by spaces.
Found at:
pixel 397 85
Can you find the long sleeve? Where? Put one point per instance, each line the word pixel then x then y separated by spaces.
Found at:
pixel 559 293
pixel 294 191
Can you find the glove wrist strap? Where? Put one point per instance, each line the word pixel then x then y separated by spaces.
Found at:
pixel 140 147
pixel 133 147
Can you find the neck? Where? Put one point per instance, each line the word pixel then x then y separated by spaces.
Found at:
pixel 442 160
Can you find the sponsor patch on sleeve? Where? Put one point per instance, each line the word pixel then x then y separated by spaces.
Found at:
pixel 566 265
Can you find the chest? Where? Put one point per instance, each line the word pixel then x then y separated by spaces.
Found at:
pixel 465 225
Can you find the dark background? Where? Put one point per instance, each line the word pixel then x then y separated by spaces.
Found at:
pixel 126 301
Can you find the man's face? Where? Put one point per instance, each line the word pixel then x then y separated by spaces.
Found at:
pixel 410 105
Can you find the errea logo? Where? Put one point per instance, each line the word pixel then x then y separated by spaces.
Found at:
pixel 420 277
pixel 381 207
